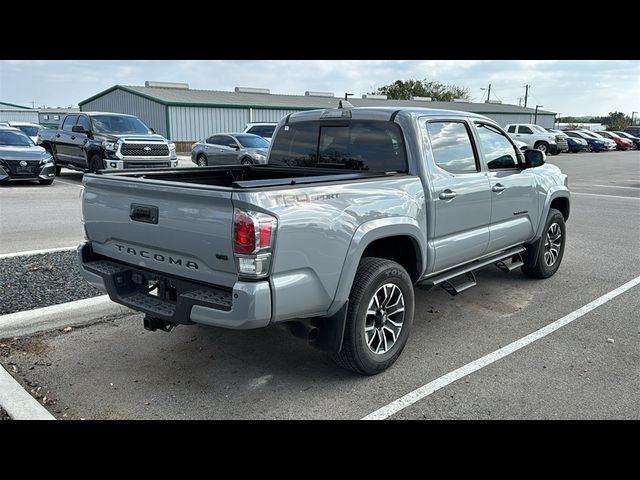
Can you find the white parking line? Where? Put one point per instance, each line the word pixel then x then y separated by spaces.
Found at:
pixel 36 252
pixel 602 195
pixel 68 183
pixel 469 368
pixel 616 186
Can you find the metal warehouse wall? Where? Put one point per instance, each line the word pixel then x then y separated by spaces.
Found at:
pixel 268 115
pixel 119 101
pixel 503 119
pixel 197 123
pixel 19 116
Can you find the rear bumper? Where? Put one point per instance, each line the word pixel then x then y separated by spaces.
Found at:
pixel 246 306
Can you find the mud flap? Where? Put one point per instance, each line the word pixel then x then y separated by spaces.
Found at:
pixel 530 256
pixel 331 330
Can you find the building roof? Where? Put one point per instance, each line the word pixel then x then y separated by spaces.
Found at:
pixel 58 110
pixel 13 106
pixel 218 98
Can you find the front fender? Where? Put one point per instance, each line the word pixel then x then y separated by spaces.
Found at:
pixel 363 236
pixel 558 191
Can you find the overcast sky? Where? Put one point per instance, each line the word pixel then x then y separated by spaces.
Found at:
pixel 575 87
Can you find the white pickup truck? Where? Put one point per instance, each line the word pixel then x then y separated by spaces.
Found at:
pixel 534 136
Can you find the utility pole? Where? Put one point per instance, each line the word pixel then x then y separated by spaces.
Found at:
pixel 488 94
pixel 535 118
pixel 633 114
pixel 519 101
pixel 526 95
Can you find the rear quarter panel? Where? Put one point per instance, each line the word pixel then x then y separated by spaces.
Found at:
pixel 316 227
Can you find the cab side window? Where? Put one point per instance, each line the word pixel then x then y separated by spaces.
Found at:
pixel 69 122
pixel 83 121
pixel 525 130
pixel 498 151
pixel 451 146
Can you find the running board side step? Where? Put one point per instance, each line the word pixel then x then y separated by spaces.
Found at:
pixel 447 279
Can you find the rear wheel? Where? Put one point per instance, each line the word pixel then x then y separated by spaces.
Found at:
pixel 96 163
pixel 202 160
pixel 551 248
pixel 379 317
pixel 590 148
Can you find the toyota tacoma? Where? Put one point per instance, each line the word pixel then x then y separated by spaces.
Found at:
pixel 355 208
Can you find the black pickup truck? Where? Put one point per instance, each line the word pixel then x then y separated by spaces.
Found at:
pixel 92 141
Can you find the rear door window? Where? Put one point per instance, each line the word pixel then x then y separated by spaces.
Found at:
pixel 451 146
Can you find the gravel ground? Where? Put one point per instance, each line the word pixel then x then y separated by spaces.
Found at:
pixel 36 281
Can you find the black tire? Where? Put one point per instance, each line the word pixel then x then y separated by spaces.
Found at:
pixel 46 182
pixel 542 269
pixel 542 146
pixel 374 273
pixel 202 160
pixel 96 163
pixel 246 161
pixel 589 148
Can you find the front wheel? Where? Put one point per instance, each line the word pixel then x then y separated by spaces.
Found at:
pixel 96 163
pixel 379 317
pixel 202 161
pixel 551 248
pixel 246 161
pixel 542 146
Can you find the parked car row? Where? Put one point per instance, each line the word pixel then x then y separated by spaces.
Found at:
pixel 554 141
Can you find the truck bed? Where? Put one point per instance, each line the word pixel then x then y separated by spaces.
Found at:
pixel 247 176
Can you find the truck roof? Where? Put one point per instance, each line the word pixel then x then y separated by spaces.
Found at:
pixel 101 113
pixel 381 113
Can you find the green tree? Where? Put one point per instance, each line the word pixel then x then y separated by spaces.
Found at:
pixel 438 91
pixel 616 121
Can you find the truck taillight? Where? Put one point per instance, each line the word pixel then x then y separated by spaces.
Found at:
pixel 254 233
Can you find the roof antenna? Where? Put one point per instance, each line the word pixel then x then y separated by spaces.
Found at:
pixel 345 103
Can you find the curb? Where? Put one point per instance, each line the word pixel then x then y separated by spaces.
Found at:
pixel 35 252
pixel 17 402
pixel 59 316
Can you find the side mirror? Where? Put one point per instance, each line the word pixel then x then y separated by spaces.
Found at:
pixel 79 129
pixel 235 146
pixel 534 158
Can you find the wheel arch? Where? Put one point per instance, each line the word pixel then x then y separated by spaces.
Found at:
pixel 396 238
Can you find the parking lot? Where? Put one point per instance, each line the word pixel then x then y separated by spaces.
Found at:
pixel 587 369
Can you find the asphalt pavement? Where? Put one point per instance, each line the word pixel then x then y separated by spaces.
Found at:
pixel 587 369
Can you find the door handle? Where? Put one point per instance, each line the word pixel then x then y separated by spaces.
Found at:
pixel 58 135
pixel 73 138
pixel 447 195
pixel 498 187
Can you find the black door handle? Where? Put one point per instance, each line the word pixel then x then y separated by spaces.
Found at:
pixel 58 135
pixel 73 138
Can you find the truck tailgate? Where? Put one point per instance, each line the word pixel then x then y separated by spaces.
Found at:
pixel 182 231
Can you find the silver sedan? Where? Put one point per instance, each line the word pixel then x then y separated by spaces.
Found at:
pixel 230 149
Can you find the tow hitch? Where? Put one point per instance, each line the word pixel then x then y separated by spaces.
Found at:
pixel 152 324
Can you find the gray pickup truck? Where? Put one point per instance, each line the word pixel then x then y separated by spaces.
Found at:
pixel 355 208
